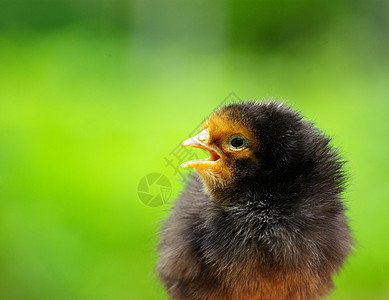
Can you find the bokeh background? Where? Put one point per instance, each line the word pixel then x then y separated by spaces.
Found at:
pixel 95 94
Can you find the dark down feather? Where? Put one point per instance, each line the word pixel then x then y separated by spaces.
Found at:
pixel 278 231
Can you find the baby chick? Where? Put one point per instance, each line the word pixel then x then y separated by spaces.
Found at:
pixel 262 218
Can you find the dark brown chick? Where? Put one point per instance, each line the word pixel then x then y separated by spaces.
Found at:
pixel 263 219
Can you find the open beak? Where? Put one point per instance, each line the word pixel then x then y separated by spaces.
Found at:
pixel 201 141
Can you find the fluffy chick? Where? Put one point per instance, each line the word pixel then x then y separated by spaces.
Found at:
pixel 262 218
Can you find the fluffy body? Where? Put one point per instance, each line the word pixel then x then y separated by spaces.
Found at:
pixel 274 229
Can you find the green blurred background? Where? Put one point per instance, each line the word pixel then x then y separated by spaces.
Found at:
pixel 95 94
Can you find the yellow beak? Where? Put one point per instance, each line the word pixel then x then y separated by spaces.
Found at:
pixel 201 141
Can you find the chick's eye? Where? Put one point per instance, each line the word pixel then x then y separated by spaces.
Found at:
pixel 238 142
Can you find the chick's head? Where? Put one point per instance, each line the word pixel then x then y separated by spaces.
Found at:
pixel 249 144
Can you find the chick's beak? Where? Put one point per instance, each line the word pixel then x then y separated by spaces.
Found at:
pixel 201 141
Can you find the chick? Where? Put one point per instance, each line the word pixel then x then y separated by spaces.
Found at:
pixel 262 217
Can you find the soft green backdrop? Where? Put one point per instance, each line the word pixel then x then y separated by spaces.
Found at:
pixel 94 95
